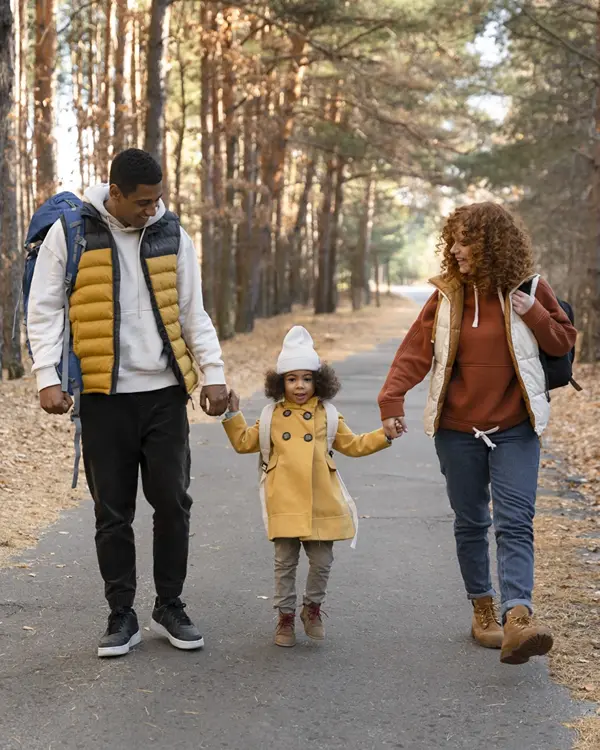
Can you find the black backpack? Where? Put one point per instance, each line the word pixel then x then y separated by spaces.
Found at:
pixel 558 370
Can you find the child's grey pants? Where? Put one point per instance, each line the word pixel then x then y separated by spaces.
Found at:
pixel 287 553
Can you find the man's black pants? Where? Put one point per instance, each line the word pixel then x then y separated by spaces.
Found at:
pixel 121 434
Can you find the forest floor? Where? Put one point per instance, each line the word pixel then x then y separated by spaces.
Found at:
pixel 37 449
pixel 568 545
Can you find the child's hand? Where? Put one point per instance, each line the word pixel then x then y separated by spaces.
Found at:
pixel 394 427
pixel 234 401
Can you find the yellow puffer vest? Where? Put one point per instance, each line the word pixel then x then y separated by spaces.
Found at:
pixel 94 303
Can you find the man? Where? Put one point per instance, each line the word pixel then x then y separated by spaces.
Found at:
pixel 137 321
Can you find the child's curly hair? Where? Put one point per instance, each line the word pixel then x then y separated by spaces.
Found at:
pixel 501 251
pixel 327 384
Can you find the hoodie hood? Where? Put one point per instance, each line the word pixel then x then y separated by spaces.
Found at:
pixel 98 194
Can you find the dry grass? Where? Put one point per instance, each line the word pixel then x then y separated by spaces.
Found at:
pixel 568 546
pixel 37 449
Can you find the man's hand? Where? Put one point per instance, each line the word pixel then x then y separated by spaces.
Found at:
pixel 234 402
pixel 522 303
pixel 54 401
pixel 394 427
pixel 213 400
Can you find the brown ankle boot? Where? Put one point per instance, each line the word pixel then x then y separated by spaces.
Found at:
pixel 486 629
pixel 285 632
pixel 313 621
pixel 522 638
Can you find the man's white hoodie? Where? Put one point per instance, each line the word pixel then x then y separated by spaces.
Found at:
pixel 143 365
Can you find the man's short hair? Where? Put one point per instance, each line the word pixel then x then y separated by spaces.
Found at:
pixel 134 167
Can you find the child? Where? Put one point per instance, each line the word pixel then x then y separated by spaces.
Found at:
pixel 305 501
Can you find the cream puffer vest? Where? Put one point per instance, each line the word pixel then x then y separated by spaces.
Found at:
pixel 521 341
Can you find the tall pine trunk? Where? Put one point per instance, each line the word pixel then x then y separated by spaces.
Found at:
pixel 45 62
pixel 120 115
pixel 206 184
pixel 156 68
pixel 10 253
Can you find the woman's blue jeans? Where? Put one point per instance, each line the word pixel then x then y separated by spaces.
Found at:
pixel 471 468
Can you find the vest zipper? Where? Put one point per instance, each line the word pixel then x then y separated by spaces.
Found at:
pixel 116 270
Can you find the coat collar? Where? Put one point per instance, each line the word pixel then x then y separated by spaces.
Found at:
pixel 310 405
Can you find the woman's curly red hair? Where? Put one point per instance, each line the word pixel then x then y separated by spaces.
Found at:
pixel 501 252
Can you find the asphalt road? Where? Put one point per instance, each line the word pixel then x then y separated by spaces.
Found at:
pixel 398 669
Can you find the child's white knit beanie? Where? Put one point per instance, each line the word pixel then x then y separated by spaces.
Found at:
pixel 298 352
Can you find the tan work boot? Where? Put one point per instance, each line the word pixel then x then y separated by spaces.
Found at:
pixel 523 639
pixel 285 632
pixel 313 622
pixel 486 629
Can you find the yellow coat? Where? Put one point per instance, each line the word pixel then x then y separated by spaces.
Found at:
pixel 303 495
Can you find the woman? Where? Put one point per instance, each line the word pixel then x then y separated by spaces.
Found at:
pixel 487 408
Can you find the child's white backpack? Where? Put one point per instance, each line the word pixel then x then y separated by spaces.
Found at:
pixel 264 436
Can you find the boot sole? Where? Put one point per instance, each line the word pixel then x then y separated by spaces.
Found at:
pixel 159 629
pixel 486 645
pixel 537 645
pixel 106 651
pixel 285 645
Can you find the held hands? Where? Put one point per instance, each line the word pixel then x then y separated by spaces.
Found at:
pixel 234 402
pixel 213 400
pixel 394 427
pixel 54 401
pixel 522 303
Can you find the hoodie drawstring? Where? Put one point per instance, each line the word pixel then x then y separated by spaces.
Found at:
pixel 484 435
pixel 476 318
pixel 139 263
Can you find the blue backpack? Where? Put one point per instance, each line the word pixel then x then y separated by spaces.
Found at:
pixel 65 207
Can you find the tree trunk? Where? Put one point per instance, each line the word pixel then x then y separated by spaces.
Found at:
pixel 206 185
pixel 247 256
pixel 277 137
pixel 134 82
pixel 225 318
pixel 294 238
pixel 360 276
pixel 10 254
pixel 180 128
pixel 325 232
pixel 217 181
pixel 119 85
pixel 45 62
pixel 104 134
pixel 332 296
pixel 156 67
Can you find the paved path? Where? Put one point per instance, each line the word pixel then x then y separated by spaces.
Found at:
pixel 398 669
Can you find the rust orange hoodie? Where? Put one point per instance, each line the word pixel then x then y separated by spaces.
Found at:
pixel 484 391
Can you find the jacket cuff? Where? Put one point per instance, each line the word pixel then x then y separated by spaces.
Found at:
pixel 535 315
pixel 389 409
pixel 214 375
pixel 46 377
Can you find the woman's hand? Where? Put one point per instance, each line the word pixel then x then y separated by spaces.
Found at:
pixel 394 427
pixel 234 401
pixel 522 303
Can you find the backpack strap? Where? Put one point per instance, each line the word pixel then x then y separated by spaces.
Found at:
pixel 264 434
pixel 264 439
pixel 75 241
pixel 333 417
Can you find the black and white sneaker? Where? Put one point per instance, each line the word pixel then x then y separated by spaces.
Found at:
pixel 122 633
pixel 171 621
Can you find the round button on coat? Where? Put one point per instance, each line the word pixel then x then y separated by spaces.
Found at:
pixel 287 413
pixel 286 436
pixel 308 438
pixel 307 415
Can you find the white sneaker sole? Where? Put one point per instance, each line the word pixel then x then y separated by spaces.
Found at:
pixel 120 650
pixel 159 629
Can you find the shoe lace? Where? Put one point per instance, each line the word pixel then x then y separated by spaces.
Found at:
pixel 315 612
pixel 520 621
pixel 118 618
pixel 486 615
pixel 286 619
pixel 177 610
